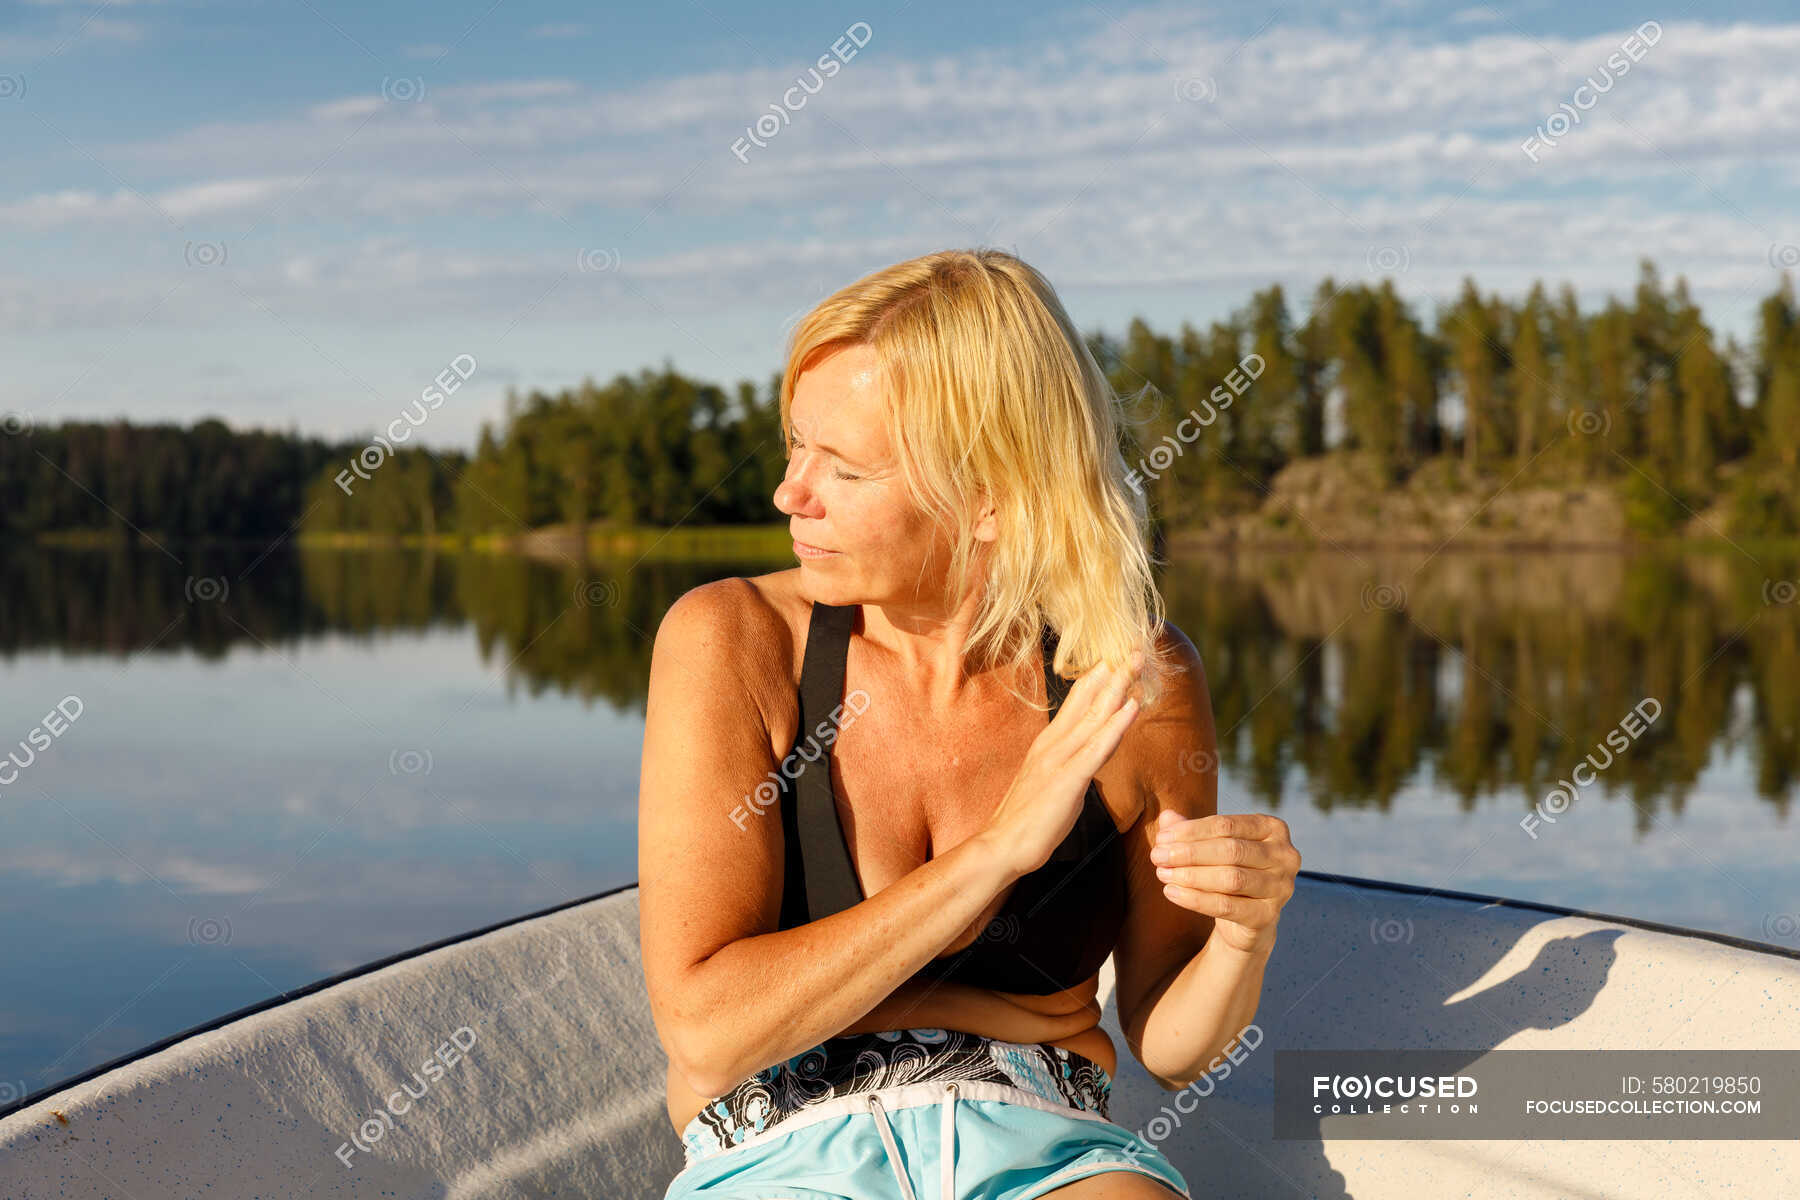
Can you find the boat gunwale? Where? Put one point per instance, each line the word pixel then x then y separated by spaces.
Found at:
pixel 319 985
pixel 299 993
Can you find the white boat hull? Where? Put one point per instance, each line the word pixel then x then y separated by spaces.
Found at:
pixel 548 1077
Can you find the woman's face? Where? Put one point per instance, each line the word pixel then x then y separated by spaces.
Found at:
pixel 843 493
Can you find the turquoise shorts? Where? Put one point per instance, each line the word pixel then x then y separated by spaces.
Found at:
pixel 915 1114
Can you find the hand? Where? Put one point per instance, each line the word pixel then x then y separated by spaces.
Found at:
pixel 1237 868
pixel 1046 796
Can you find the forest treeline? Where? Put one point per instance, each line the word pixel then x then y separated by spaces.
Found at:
pixel 1640 395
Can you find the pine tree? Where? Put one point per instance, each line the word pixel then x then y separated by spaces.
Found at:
pixel 1470 328
pixel 1529 386
pixel 1272 407
pixel 1614 364
pixel 1778 379
pixel 1573 393
pixel 1314 374
pixel 1371 410
pixel 1411 378
pixel 1656 427
pixel 1703 384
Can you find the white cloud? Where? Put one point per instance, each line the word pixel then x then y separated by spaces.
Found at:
pixel 1305 161
pixel 46 209
pixel 224 195
pixel 212 198
pixel 348 108
pixel 1304 94
pixel 179 870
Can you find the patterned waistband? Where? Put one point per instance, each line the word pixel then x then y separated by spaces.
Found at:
pixel 866 1062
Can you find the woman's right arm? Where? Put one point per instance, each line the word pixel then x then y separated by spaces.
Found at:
pixel 730 993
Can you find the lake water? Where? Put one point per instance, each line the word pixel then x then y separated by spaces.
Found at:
pixel 268 769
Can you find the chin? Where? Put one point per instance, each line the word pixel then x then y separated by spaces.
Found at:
pixel 819 587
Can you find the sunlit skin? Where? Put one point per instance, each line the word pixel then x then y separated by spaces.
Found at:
pixel 854 503
pixel 930 721
pixel 843 492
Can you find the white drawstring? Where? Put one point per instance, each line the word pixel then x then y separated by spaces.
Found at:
pixel 946 1146
pixel 893 1152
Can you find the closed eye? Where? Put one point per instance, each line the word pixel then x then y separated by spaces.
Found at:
pixel 794 444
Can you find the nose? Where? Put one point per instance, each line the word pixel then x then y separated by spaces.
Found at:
pixel 794 496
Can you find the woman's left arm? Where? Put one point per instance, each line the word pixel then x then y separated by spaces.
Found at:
pixel 1205 889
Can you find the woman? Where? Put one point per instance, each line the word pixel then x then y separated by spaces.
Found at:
pixel 884 845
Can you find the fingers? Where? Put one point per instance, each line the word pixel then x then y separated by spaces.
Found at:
pixel 1249 826
pixel 1101 727
pixel 1106 738
pixel 1229 881
pixel 1096 693
pixel 1243 910
pixel 1092 719
pixel 1216 851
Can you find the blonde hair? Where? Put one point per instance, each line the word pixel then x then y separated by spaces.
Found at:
pixel 992 393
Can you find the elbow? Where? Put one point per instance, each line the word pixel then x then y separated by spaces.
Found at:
pixel 695 1054
pixel 700 1078
pixel 699 1063
pixel 1168 1083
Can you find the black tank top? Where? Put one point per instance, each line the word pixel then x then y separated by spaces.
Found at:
pixel 1059 922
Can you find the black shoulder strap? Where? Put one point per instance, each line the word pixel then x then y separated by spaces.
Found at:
pixel 1056 688
pixel 830 876
pixel 831 884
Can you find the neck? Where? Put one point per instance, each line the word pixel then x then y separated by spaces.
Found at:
pixel 926 646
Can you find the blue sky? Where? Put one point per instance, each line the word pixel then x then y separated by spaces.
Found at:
pixel 292 215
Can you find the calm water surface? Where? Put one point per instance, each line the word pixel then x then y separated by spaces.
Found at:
pixel 272 769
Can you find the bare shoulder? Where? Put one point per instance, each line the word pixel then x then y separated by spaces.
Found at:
pixel 708 873
pixel 713 709
pixel 737 632
pixel 1184 704
pixel 1173 739
pixel 1185 668
pixel 1160 747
